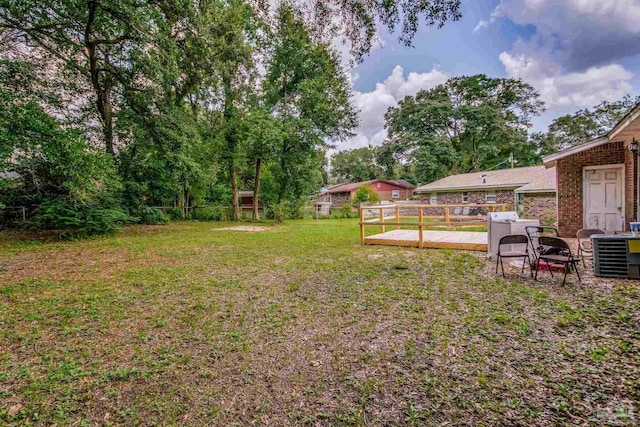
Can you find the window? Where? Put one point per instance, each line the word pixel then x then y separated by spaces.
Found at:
pixel 519 202
pixel 491 196
pixel 433 199
pixel 395 194
pixel 465 197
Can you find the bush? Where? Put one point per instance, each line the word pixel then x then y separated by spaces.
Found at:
pixel 213 213
pixel 175 214
pixel 365 194
pixel 279 213
pixel 78 221
pixel 150 215
pixel 343 212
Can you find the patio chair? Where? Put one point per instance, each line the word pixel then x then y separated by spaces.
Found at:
pixel 585 247
pixel 558 252
pixel 513 239
pixel 533 233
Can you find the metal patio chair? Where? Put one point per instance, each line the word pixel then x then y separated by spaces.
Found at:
pixel 513 239
pixel 557 252
pixel 585 247
pixel 533 233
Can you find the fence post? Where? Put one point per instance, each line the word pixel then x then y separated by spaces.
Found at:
pixel 446 217
pixel 361 227
pixel 24 213
pixel 382 219
pixel 504 208
pixel 420 228
pixel 397 217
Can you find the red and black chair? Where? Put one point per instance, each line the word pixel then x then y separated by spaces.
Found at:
pixel 558 252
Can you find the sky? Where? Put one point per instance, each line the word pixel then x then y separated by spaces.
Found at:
pixel 575 53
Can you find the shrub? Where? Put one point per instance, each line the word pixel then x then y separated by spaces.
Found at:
pixel 175 214
pixel 151 215
pixel 78 220
pixel 279 213
pixel 213 213
pixel 365 194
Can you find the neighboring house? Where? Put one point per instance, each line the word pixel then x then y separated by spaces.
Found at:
pixel 246 199
pixel 530 190
pixel 388 190
pixel 597 180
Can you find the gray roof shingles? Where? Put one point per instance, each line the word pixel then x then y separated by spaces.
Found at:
pixel 531 178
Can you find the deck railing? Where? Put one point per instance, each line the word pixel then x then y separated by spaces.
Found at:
pixel 449 219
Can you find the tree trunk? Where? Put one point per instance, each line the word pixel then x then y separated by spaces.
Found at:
pixel 234 191
pixel 256 190
pixel 232 145
pixel 103 94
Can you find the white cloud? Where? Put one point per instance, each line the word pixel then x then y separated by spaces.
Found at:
pixel 582 89
pixel 571 57
pixel 482 24
pixel 373 105
pixel 577 34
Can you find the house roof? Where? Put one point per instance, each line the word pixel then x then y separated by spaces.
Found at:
pixel 627 127
pixel 527 179
pixel 245 193
pixel 403 183
pixel 348 187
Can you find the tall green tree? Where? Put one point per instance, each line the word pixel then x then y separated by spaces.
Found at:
pixel 584 124
pixel 357 21
pixel 468 124
pixel 94 41
pixel 307 90
pixel 359 164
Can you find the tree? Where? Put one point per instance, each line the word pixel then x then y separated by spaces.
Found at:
pixel 467 124
pixel 365 194
pixel 306 89
pixel 583 125
pixel 359 164
pixel 357 21
pixel 66 181
pixel 94 40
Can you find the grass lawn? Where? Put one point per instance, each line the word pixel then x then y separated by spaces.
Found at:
pixel 182 324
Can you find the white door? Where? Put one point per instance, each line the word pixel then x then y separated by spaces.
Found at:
pixel 604 198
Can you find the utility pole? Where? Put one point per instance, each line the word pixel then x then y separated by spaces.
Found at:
pixel 511 159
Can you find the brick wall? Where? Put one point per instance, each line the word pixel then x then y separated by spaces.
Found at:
pixel 570 188
pixel 540 206
pixel 630 181
pixel 473 197
pixel 387 195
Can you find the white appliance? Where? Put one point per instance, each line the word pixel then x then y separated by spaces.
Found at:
pixel 502 224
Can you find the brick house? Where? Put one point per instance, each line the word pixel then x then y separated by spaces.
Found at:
pixel 597 180
pixel 530 190
pixel 388 190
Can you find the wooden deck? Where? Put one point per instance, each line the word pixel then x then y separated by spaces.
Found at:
pixel 467 240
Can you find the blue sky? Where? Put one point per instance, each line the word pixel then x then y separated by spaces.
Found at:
pixel 576 53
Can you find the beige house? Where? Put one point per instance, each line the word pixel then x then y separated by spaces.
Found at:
pixel 529 190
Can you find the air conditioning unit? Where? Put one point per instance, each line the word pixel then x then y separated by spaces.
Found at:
pixel 616 255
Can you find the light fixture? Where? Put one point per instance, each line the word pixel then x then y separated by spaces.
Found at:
pixel 633 146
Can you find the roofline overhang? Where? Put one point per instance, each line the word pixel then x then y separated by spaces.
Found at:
pixel 551 159
pixel 470 188
pixel 537 190
pixel 632 116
